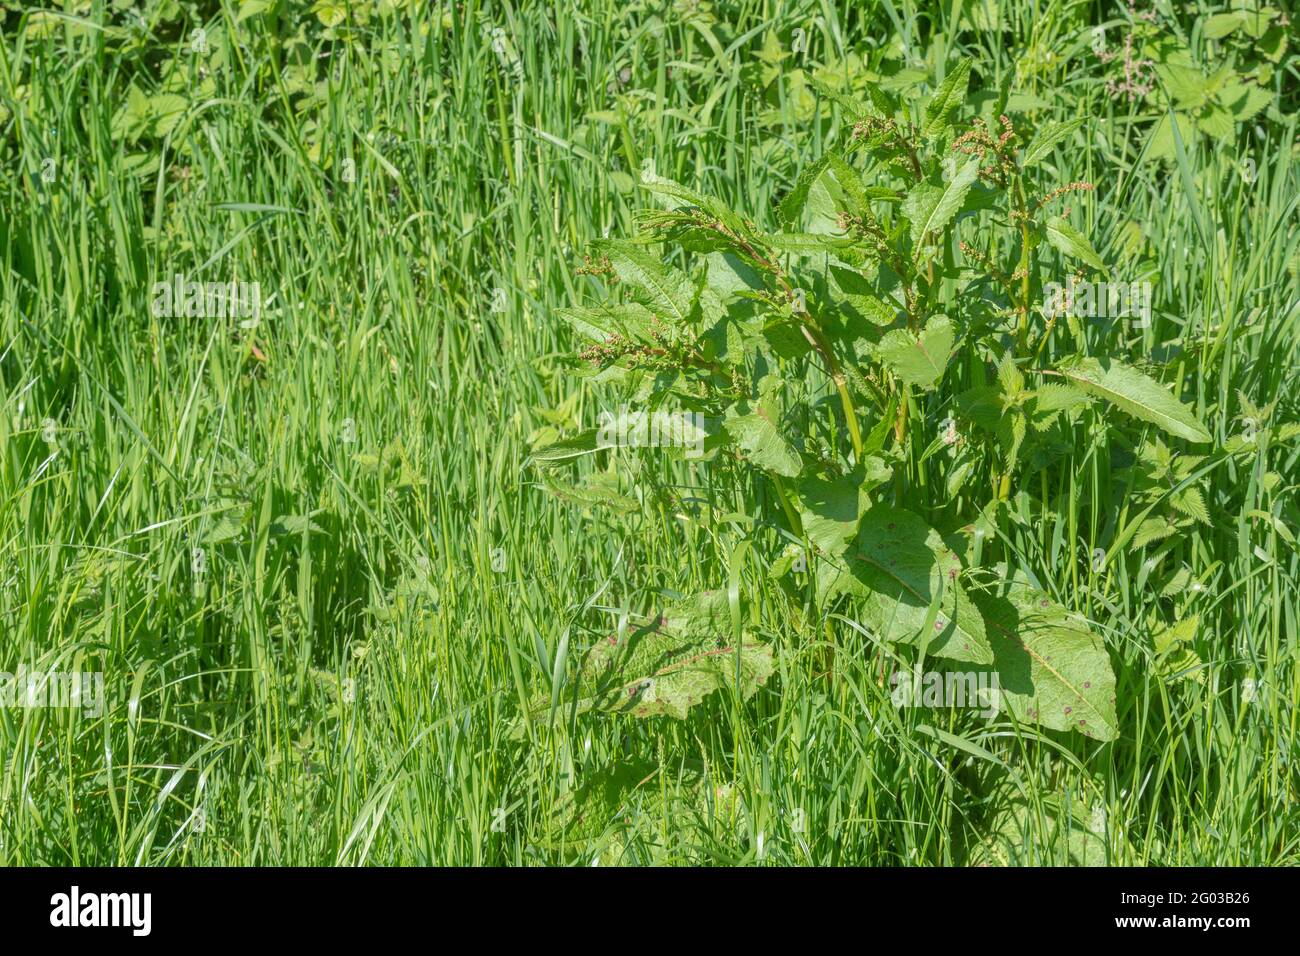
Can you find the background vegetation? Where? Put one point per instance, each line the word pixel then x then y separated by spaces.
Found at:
pixel 321 582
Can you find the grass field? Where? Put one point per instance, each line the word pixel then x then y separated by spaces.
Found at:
pixel 321 580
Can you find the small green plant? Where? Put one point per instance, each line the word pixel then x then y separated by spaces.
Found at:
pixel 885 369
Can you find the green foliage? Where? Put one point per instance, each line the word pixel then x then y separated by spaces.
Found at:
pixel 342 620
pixel 865 292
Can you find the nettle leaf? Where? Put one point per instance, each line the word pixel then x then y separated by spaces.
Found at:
pixel 567 449
pixel 792 206
pixel 729 274
pixel 1070 242
pixel 1046 139
pixel 981 405
pixel 1011 434
pixel 663 289
pixel 947 99
pixel 676 196
pixel 904 567
pixel 918 359
pixel 166 110
pixel 1052 668
pixel 630 320
pixel 1160 145
pixel 1134 393
pixel 762 443
pixel 815 244
pixel 878 103
pixel 1221 24
pixel 852 195
pixel 671 665
pixel 1243 100
pixel 856 298
pixel 930 208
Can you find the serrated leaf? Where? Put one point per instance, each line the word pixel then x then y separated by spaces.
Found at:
pixel 762 443
pixel 792 206
pixel 1242 101
pixel 1160 144
pixel 930 208
pixel 1134 393
pixel 1047 138
pixel 1071 243
pixel 918 359
pixel 903 567
pixel 814 244
pixel 981 405
pixel 1180 632
pixel 1152 529
pixel 598 323
pixel 166 110
pixel 677 196
pixel 729 274
pixel 856 298
pixel 878 103
pixel 581 444
pixel 330 12
pixel 947 99
pixel 1052 668
pixel 1190 502
pixel 665 290
pixel 1221 24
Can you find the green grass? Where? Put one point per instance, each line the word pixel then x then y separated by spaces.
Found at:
pixel 228 737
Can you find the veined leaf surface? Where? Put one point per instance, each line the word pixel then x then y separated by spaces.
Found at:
pixel 903 564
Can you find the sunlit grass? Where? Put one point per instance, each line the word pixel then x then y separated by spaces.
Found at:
pixel 383 583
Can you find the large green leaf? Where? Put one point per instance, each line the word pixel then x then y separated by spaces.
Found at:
pixel 1046 139
pixel 584 443
pixel 947 99
pixel 668 667
pixel 600 490
pixel 1132 392
pixel 1052 669
pixel 903 567
pixel 630 320
pixel 665 290
pixel 930 208
pixel 831 507
pixel 792 206
pixel 1043 831
pixel 918 359
pixel 762 443
pixel 1072 243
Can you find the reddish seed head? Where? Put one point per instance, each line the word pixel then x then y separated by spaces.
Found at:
pixel 1068 709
